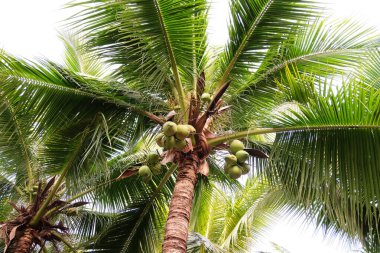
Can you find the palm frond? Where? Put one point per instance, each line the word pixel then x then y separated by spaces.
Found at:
pixel 323 48
pixel 79 59
pixel 332 159
pixel 319 49
pixel 231 219
pixel 256 26
pixel 15 145
pixel 369 71
pixel 163 36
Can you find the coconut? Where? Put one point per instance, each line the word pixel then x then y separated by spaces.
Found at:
pixel 242 156
pixel 227 168
pixel 152 158
pixel 235 172
pixel 169 142
pixel 169 128
pixel 183 132
pixel 230 159
pixel 147 178
pixel 159 139
pixel 156 169
pixel 180 144
pixel 245 168
pixel 192 130
pixel 206 97
pixel 235 146
pixel 144 171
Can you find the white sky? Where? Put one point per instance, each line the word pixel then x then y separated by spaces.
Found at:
pixel 29 29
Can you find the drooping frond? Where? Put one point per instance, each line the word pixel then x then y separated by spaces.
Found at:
pixel 54 97
pixel 233 221
pixel 326 153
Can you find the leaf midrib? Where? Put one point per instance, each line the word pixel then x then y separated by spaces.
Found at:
pixel 244 43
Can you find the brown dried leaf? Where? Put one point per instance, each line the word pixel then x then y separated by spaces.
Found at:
pixel 201 83
pixel 189 147
pixel 170 115
pixel 223 109
pixel 48 186
pixel 217 97
pixel 204 168
pixel 256 153
pixel 12 234
pixel 208 134
pixel 167 157
pixel 127 173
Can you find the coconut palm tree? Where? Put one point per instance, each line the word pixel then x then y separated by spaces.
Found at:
pixel 267 88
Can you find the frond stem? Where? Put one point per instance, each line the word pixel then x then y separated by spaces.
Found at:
pixel 178 83
pixel 57 184
pixel 116 102
pixel 67 243
pixel 23 144
pixel 246 133
pixel 243 44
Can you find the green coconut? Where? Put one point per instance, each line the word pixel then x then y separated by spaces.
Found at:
pixel 144 171
pixel 245 168
pixel 183 132
pixel 242 156
pixel 169 142
pixel 192 130
pixel 230 159
pixel 147 178
pixel 206 97
pixel 159 139
pixel 235 172
pixel 180 144
pixel 227 168
pixel 156 169
pixel 236 146
pixel 152 158
pixel 169 128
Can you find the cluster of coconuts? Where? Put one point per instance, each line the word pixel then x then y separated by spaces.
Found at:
pixel 174 136
pixel 33 190
pixel 152 167
pixel 236 162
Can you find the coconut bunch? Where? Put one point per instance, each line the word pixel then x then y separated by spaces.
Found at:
pixel 151 167
pixel 174 136
pixel 236 162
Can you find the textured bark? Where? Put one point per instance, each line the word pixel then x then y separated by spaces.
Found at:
pixel 177 225
pixel 23 242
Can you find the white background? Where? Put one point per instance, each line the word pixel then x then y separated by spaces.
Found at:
pixel 30 28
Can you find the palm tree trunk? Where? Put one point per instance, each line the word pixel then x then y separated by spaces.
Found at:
pixel 177 225
pixel 23 242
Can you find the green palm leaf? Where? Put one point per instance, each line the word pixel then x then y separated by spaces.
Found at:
pixel 255 27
